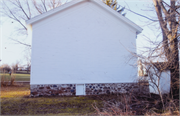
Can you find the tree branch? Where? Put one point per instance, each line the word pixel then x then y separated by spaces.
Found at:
pixel 172 8
pixel 14 17
pixel 20 6
pixel 20 42
pixel 141 15
pixel 163 8
pixel 44 5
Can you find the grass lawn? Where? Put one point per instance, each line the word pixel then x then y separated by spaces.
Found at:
pixel 15 101
pixel 18 77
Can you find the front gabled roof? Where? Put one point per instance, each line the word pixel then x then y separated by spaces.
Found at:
pixel 74 2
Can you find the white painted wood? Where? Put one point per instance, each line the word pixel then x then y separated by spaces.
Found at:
pixel 164 83
pixel 80 89
pixel 82 44
pixel 77 2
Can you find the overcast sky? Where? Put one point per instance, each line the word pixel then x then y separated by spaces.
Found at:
pixel 11 52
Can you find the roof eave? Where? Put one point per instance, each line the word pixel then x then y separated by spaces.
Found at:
pixel 51 12
pixel 100 3
pixel 124 19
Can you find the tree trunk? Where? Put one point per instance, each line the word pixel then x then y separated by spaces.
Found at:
pixel 174 69
pixel 170 41
pixel 174 61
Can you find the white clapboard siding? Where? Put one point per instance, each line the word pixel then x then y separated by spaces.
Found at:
pixel 84 43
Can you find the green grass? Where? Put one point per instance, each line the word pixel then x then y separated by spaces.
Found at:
pixel 15 101
pixel 18 77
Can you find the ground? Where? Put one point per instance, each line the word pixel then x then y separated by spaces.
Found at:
pixel 15 100
pixel 18 77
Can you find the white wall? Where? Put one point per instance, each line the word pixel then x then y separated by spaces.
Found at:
pixel 83 44
pixel 164 83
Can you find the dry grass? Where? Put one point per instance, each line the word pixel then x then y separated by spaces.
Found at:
pixel 15 101
pixel 138 104
pixel 15 91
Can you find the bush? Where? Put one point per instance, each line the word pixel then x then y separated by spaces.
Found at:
pixel 5 68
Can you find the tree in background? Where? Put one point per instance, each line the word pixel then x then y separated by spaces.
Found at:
pixel 5 68
pixel 22 10
pixel 114 5
pixel 15 67
pixel 169 17
pixel 27 57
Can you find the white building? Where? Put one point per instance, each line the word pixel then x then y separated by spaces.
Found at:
pixel 81 48
pixel 160 74
pixel 157 74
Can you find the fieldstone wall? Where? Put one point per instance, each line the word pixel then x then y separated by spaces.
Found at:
pixel 113 88
pixel 52 90
pixel 90 89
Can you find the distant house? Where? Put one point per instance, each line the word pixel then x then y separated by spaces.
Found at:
pixel 156 73
pixel 164 75
pixel 80 49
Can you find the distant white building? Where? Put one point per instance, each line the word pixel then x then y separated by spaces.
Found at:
pixel 79 49
pixel 157 74
pixel 162 76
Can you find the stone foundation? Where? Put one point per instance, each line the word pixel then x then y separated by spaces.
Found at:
pixel 113 88
pixel 90 89
pixel 52 90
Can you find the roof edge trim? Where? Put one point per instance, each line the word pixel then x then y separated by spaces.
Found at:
pixel 98 2
pixel 53 11
pixel 124 19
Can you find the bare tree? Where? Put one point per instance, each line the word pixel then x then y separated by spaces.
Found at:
pixel 151 72
pixel 22 10
pixel 155 68
pixel 28 59
pixel 15 67
pixel 169 17
pixel 5 68
pixel 164 55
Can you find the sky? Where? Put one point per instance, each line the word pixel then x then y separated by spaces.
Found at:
pixel 11 52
